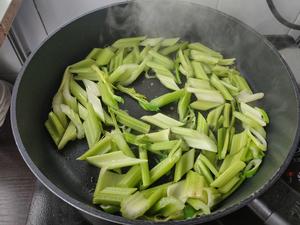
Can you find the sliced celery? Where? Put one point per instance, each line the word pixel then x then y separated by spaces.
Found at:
pixel 131 178
pixel 204 58
pixel 164 60
pixel 69 135
pixel 202 125
pixel 185 164
pixel 82 66
pixel 92 126
pixel 213 116
pixel 104 56
pixel 204 105
pixel 162 121
pixel 183 104
pixel 219 86
pixel 118 139
pixel 167 98
pixel 202 48
pixel 144 167
pixel 128 42
pixel 167 206
pixel 207 95
pixel 199 71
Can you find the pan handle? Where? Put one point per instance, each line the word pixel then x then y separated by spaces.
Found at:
pixel 279 206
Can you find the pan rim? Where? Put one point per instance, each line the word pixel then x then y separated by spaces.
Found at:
pixel 85 208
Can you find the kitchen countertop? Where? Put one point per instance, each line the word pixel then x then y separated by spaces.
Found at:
pixel 16 181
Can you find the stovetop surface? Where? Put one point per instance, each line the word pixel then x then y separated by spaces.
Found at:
pixel 283 197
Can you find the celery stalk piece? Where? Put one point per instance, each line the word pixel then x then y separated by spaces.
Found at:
pixel 129 121
pixel 78 92
pixel 141 99
pixel 178 190
pixel 246 97
pixel 158 136
pixel 101 147
pixel 221 71
pixel 107 178
pixel 221 137
pixel 135 74
pixel 88 76
pixel 144 167
pixel 69 135
pixel 240 82
pixel 167 98
pixel 186 64
pixel 203 58
pixel 74 117
pixel 118 59
pixel 251 168
pixel 163 145
pixel 227 62
pixel 183 104
pixel 202 169
pixel 91 87
pixel 232 89
pixel 199 205
pixel 113 160
pixel 264 115
pixel 110 208
pixel 57 101
pixel 131 178
pixel 167 81
pixel 226 114
pixel 128 42
pixel 68 98
pixel 213 116
pixel 194 185
pixel 130 58
pixel 252 113
pixel 219 86
pixel 93 53
pixel 199 71
pixel 92 126
pixel 207 95
pixel 118 139
pixel 229 185
pixel 104 56
pixel 169 42
pixel 59 128
pixel 167 206
pixel 170 49
pixel 213 196
pixel 122 72
pixel 238 142
pixel 138 204
pixel 224 149
pixel 258 139
pixel 202 48
pixel 202 125
pixel 204 105
pixel 246 120
pixel 52 131
pixel 198 83
pixel 82 66
pixel 162 121
pixel 151 42
pixel 185 164
pixel 163 60
pixel 208 164
pixel 228 174
pixel 195 139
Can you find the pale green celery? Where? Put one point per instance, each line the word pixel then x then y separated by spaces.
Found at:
pixel 92 126
pixel 185 164
pixel 122 72
pixel 223 152
pixel 68 98
pixel 199 205
pixel 219 86
pixel 74 117
pixel 91 87
pixel 199 72
pixel 258 139
pixel 137 204
pixel 201 168
pixel 245 97
pixel 246 120
pixel 252 167
pixel 52 131
pixel 202 48
pixel 233 109
pixel 163 145
pixel 118 139
pixel 195 139
pixel 144 167
pixel 162 121
pixel 228 174
pixel 158 136
pixel 208 164
pixel 173 48
pixel 131 178
pixel 113 160
pixel 130 58
pixel 144 52
pixel 57 101
pixel 167 206
pixel 190 119
pixel 88 76
pixel 159 68
pixel 255 151
pixel 164 166
pixel 186 64
pixel 128 42
pixel 135 74
pixel 133 139
pixel 57 125
pixel 110 208
pixel 252 113
pixel 167 81
pixel 238 142
pixel 207 95
pixel 141 99
pixel 221 71
pixel 151 42
pixel 227 62
pixel 178 191
pixel 183 104
pixel 163 60
pixel 221 137
pixel 211 156
pixel 198 83
pixel 118 59
pixel 240 81
pixel 104 56
pixel 202 125
pixel 229 185
pixel 220 122
pixel 129 121
pixel 212 136
pixel 69 135
pixel 107 178
pixel 93 53
pixel 101 147
pixel 204 58
pixel 232 89
pixel 224 196
pixel 78 92
pixel 112 195
pixel 206 68
pixel 194 185
pixel 83 66
pixel 263 113
pixel 136 53
pixel 226 114
pixel 204 105
pixel 213 116
pixel 169 42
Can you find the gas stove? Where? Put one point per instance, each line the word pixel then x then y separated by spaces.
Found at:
pixel 280 204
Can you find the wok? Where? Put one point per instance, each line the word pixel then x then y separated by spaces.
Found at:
pixel 39 79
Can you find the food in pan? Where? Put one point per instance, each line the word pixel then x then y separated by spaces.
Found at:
pixel 160 167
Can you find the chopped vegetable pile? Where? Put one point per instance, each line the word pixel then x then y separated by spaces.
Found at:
pixel 157 167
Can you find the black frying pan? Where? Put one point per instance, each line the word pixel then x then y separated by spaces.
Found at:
pixel 39 80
